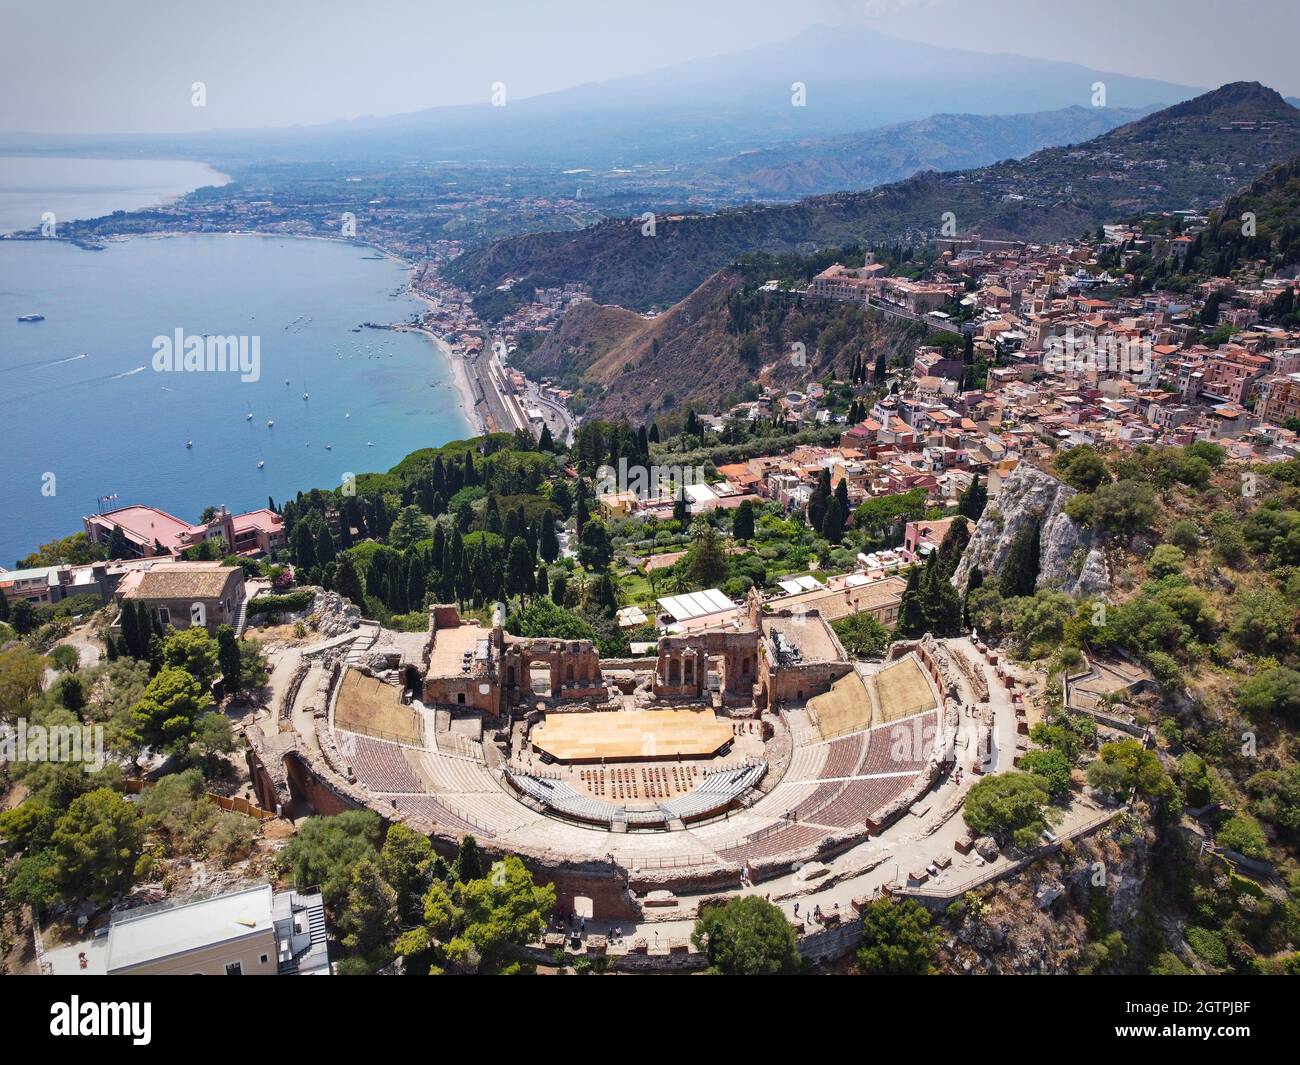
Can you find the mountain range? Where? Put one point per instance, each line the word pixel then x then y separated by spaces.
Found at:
pixel 1190 156
pixel 852 79
pixel 811 166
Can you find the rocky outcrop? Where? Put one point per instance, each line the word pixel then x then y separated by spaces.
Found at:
pixel 334 614
pixel 1038 921
pixel 1071 556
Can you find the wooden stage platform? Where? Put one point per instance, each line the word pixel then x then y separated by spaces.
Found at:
pixel 632 736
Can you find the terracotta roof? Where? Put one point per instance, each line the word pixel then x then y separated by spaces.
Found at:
pixel 181 582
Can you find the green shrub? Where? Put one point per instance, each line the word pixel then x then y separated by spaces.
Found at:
pixel 1208 944
pixel 288 603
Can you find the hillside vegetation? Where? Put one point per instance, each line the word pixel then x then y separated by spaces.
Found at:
pixel 1205 564
pixel 710 349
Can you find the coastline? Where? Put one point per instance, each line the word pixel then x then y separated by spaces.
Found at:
pixel 460 376
pixel 420 399
pixel 460 379
pixel 214 178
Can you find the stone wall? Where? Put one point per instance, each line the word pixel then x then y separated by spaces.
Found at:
pixel 573 665
pixel 326 794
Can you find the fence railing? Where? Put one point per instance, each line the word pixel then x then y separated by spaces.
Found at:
pixel 666 861
pixel 235 804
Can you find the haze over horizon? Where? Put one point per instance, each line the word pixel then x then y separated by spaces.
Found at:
pixel 303 64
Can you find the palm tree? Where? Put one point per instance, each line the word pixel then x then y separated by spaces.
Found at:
pixel 680 582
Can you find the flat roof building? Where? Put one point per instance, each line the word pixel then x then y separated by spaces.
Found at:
pixel 250 931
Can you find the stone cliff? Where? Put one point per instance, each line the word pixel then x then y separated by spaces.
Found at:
pixel 1071 556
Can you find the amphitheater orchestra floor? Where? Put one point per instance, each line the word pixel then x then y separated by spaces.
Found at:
pixel 632 735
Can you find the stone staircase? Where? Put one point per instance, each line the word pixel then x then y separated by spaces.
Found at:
pixel 241 618
pixel 367 637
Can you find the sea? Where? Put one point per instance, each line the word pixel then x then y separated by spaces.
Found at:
pixel 94 418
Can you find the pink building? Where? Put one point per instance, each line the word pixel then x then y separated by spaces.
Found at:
pixel 149 531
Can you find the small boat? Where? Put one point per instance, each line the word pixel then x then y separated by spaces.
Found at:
pixel 306 395
pixel 31 317
pixel 348 415
pixel 286 380
pixel 329 447
pixel 261 463
pixel 370 443
pixel 189 443
pixel 270 422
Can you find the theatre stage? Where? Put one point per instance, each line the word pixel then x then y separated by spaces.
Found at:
pixel 630 736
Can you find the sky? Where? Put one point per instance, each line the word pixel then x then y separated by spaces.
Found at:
pixel 131 66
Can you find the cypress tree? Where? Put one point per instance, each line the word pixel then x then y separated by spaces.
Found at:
pixel 1020 571
pixel 742 526
pixel 817 501
pixel 974 499
pixel 117 546
pixel 325 550
pixel 304 546
pixel 382 520
pixel 954 545
pixel 511 529
pixel 833 521
pixel 975 580
pixel 468 866
pixel 130 633
pixel 911 612
pixel 347 582
pixel 228 659
pixel 519 569
pixel 548 543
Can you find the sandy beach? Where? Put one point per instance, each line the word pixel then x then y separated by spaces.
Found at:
pixel 460 381
pixel 460 377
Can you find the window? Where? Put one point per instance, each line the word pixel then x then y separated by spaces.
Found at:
pixel 263 959
pixel 235 968
pixel 460 697
pixel 164 615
